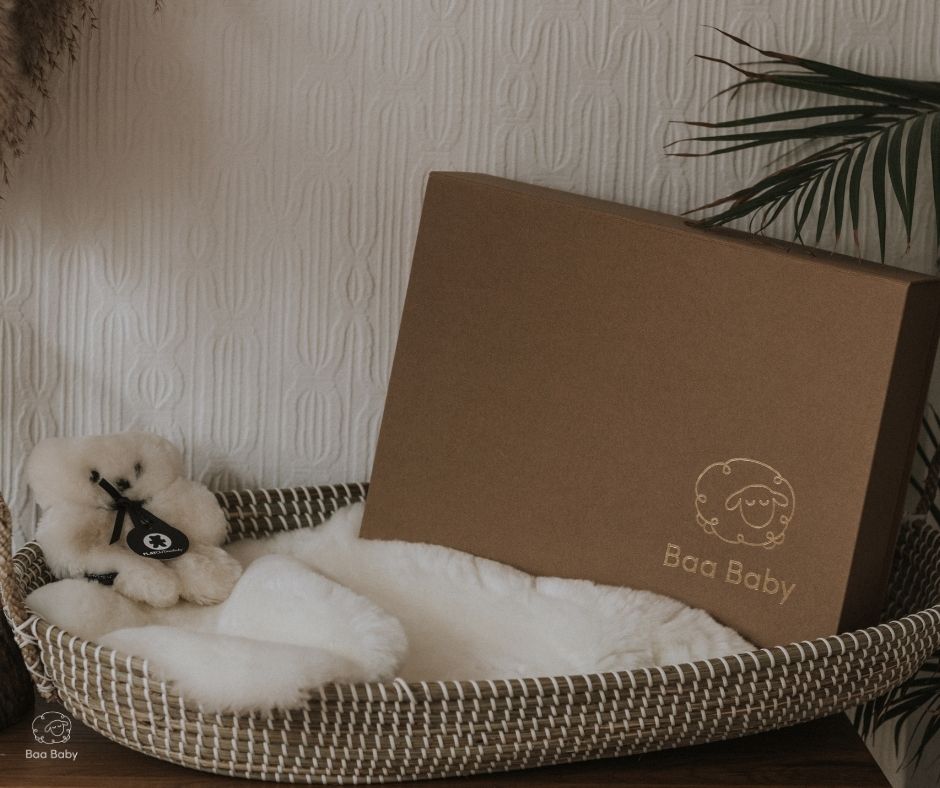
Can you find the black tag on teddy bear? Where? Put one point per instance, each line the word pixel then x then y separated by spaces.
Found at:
pixel 160 541
pixel 150 537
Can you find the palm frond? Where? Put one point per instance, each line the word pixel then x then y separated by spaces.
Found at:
pixel 874 120
pixel 913 709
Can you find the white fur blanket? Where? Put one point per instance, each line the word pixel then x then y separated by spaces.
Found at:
pixel 321 605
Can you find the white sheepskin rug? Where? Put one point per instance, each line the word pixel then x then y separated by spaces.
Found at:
pixel 320 605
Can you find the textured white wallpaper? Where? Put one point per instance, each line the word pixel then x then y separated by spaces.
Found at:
pixel 211 231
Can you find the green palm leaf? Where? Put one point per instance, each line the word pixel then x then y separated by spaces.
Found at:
pixel 913 708
pixel 875 121
pixel 916 703
pixel 867 123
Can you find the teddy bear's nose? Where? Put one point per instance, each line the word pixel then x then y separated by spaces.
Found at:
pixel 123 484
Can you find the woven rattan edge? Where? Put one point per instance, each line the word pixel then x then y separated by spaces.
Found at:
pixel 21 620
pixel 563 750
pixel 874 638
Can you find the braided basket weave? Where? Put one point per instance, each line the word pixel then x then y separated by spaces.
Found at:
pixel 396 730
pixel 16 689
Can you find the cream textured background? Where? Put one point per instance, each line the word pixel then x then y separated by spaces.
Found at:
pixel 211 232
pixel 210 235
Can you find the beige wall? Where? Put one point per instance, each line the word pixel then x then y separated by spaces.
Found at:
pixel 210 234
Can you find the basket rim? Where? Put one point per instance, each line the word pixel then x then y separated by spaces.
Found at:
pixel 922 622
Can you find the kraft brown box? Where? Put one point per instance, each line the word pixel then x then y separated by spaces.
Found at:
pixel 585 389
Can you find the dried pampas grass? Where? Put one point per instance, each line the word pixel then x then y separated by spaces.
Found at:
pixel 34 37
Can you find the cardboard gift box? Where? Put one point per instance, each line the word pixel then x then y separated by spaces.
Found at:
pixel 585 389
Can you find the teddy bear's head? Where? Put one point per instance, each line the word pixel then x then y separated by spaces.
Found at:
pixel 67 470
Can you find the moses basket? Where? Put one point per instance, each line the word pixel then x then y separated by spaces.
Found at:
pixel 400 731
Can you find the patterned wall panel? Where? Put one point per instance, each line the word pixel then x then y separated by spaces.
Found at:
pixel 211 232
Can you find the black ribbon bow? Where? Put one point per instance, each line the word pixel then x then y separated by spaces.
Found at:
pixel 155 538
pixel 123 506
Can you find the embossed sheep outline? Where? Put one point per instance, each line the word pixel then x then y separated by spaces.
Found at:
pixel 744 501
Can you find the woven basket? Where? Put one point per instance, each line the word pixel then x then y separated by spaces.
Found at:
pixel 397 730
pixel 16 689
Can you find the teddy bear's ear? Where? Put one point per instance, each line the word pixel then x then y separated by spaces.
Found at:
pixel 44 469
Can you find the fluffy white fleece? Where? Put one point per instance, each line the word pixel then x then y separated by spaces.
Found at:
pixel 321 605
pixel 283 632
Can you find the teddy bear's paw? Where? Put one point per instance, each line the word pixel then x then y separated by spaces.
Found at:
pixel 153 585
pixel 207 575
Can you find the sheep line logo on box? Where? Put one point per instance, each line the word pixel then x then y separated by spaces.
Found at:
pixel 744 501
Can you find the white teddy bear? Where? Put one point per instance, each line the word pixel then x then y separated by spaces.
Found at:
pixel 118 503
